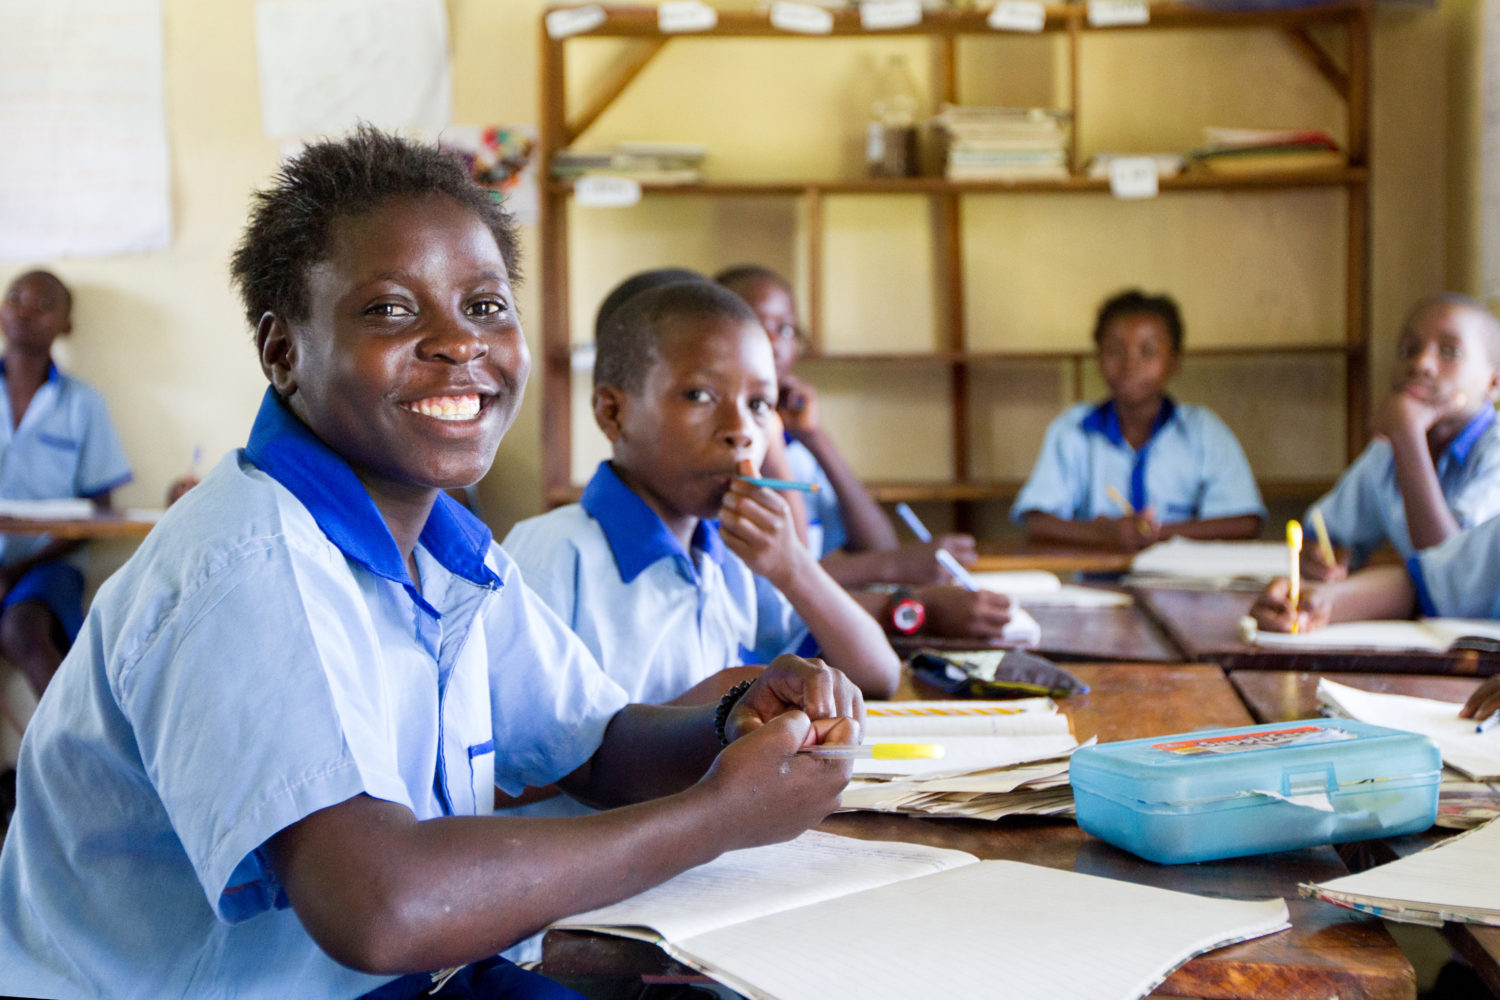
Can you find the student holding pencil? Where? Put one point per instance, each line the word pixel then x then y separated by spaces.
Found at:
pixel 266 768
pixel 1139 467
pixel 1433 468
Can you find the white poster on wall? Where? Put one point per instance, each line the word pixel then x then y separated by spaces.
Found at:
pixel 84 167
pixel 326 65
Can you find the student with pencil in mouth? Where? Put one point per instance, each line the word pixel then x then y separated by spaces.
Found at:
pixel 1139 467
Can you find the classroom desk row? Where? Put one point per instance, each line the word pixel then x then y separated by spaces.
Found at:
pixel 105 524
pixel 1327 952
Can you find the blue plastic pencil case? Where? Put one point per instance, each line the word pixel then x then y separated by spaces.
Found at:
pixel 1225 793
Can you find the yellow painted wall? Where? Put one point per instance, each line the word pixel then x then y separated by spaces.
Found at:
pixel 161 334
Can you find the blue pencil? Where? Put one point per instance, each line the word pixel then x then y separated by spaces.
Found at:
pixel 913 522
pixel 781 484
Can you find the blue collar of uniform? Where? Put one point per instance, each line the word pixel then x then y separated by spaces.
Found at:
pixel 53 372
pixel 636 534
pixel 1459 448
pixel 282 447
pixel 1103 419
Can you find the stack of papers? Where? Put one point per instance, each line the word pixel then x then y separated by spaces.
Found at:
pixel 1455 880
pixel 825 916
pixel 1000 758
pixel 660 163
pixel 1190 564
pixel 1007 144
pixel 1039 588
pixel 1251 150
pixel 60 509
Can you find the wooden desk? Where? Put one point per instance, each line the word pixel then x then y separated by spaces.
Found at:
pixel 1072 634
pixel 1205 625
pixel 1327 952
pixel 995 557
pixel 107 524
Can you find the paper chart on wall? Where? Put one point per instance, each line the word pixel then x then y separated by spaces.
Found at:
pixel 82 110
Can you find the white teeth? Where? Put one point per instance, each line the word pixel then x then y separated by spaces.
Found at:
pixel 447 407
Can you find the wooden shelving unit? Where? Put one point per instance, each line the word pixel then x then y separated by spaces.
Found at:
pixel 1304 28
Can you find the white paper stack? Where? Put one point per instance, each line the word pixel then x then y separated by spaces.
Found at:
pixel 1005 144
pixel 1191 564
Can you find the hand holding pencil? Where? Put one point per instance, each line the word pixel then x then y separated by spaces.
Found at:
pixel 1320 562
pixel 1134 530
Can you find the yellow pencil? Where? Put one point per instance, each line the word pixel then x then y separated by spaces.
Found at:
pixel 1320 526
pixel 1118 499
pixel 1294 570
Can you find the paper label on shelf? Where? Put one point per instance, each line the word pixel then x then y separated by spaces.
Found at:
pixel 1108 13
pixel 801 18
pixel 685 15
pixel 1017 15
pixel 1133 177
pixel 574 20
pixel 606 192
pixel 875 15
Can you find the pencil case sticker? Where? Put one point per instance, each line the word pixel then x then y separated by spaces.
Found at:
pixel 995 673
pixel 1227 793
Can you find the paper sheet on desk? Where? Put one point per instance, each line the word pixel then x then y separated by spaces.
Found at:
pixel 59 509
pixel 1475 754
pixel 1214 564
pixel 967 754
pixel 1041 589
pixel 1432 635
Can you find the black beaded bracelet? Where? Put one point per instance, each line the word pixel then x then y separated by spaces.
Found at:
pixel 726 705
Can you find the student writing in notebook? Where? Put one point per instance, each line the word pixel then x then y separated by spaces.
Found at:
pixel 56 441
pixel 1433 468
pixel 1484 702
pixel 265 769
pixel 847 529
pixel 1139 467
pixel 673 568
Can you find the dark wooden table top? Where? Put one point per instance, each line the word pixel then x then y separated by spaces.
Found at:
pixel 106 524
pixel 1284 695
pixel 1205 625
pixel 999 556
pixel 1327 952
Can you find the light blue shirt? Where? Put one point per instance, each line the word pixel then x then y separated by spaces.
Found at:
pixel 262 656
pixel 65 447
pixel 1364 510
pixel 1190 469
pixel 1460 578
pixel 659 619
pixel 825 518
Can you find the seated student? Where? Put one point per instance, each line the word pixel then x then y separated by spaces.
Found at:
pixel 846 527
pixel 265 769
pixel 56 441
pixel 685 391
pixel 1176 466
pixel 1434 468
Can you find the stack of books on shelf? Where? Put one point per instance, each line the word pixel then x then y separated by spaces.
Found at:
pixel 648 163
pixel 1251 150
pixel 1003 144
pixel 998 758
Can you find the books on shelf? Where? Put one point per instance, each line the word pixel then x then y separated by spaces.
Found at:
pixel 1457 880
pixel 647 163
pixel 1246 150
pixel 983 143
pixel 765 921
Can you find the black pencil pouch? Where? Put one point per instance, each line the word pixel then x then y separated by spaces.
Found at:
pixel 994 673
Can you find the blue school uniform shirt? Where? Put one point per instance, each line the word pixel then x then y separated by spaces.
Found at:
pixel 1460 578
pixel 825 518
pixel 1364 510
pixel 658 619
pixel 1190 469
pixel 262 656
pixel 65 447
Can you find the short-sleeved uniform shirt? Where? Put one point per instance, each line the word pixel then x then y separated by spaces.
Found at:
pixel 825 518
pixel 1364 510
pixel 262 656
pixel 1190 469
pixel 65 447
pixel 1460 578
pixel 659 619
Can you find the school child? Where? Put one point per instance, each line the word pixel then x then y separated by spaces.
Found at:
pixel 1434 467
pixel 846 526
pixel 1139 467
pixel 685 391
pixel 264 769
pixel 56 441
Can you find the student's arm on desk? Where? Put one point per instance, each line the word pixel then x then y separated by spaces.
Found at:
pixel 384 893
pixel 1241 526
pixel 1374 593
pixel 913 562
pixel 756 526
pixel 1118 534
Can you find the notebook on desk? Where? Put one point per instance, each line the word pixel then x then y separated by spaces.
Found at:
pixel 826 916
pixel 1039 588
pixel 1474 753
pixel 1431 635
pixel 1186 562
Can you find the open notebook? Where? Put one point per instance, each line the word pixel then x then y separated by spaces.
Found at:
pixel 1432 635
pixel 1190 563
pixel 1474 753
pixel 824 916
pixel 1458 879
pixel 975 735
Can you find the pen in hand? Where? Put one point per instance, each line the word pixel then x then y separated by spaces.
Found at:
pixel 875 751
pixel 943 556
pixel 1488 722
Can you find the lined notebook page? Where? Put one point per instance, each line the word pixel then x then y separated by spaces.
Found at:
pixel 1016 717
pixel 1358 635
pixel 1461 876
pixel 1475 754
pixel 740 885
pixel 965 754
pixel 995 929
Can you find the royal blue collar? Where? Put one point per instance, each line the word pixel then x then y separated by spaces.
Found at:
pixel 53 372
pixel 636 534
pixel 1104 419
pixel 286 450
pixel 1459 448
